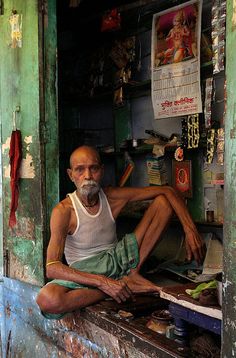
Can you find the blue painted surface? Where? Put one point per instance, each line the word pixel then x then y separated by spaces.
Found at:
pixel 26 333
pixel 185 314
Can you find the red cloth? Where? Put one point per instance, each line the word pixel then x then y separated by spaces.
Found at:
pixel 15 154
pixel 111 20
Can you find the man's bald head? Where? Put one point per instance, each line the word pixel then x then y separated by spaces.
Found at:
pixel 83 152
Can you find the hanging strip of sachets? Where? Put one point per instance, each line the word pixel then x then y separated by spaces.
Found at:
pixel 220 146
pixel 210 145
pixel 208 99
pixel 218 34
pixel 190 131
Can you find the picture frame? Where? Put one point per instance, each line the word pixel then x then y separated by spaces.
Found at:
pixel 182 177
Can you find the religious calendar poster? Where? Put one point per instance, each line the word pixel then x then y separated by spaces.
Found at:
pixel 176 35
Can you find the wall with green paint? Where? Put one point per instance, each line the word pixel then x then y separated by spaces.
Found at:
pixel 22 69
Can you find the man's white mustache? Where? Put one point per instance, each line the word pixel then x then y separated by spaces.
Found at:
pixel 89 183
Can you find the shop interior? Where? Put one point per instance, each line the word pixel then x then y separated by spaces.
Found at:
pixel 105 100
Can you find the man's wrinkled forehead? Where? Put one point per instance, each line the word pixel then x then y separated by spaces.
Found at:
pixel 84 156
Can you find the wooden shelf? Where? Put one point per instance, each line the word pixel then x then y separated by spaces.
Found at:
pixel 144 149
pixel 131 89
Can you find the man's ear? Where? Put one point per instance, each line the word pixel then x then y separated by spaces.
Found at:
pixel 69 172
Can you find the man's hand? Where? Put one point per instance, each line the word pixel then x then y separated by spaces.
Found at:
pixel 195 246
pixel 117 289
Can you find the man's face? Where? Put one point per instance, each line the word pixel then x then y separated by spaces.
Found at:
pixel 86 172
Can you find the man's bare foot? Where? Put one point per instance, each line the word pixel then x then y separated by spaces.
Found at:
pixel 138 284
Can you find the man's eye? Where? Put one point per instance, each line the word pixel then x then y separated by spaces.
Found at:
pixel 95 168
pixel 80 169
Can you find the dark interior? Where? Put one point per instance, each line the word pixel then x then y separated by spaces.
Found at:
pixel 86 111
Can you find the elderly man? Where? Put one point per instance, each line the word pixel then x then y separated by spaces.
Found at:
pixel 83 228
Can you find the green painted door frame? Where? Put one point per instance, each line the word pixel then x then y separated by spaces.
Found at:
pixel 28 80
pixel 49 112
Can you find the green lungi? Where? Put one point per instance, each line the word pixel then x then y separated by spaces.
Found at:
pixel 114 263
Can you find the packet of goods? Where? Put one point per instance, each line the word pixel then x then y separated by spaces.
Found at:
pixel 195 293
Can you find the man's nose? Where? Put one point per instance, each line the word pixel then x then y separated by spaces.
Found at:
pixel 87 173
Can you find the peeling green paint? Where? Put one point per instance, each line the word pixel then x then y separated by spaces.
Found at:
pixel 50 125
pixel 21 74
pixel 29 254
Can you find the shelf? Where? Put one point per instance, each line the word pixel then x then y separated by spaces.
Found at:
pixel 131 89
pixel 144 149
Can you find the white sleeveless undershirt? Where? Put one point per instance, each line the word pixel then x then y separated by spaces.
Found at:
pixel 93 234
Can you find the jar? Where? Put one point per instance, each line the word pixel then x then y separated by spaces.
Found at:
pixel 159 321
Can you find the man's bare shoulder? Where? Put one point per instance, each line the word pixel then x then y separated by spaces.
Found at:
pixel 64 207
pixel 63 217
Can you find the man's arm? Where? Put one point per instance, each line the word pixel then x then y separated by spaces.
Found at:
pixel 118 197
pixel 60 226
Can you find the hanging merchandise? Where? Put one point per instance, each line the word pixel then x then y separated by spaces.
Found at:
pixel 220 146
pixel 111 21
pixel 193 131
pixel 207 105
pixel 218 34
pixel 190 131
pixel 15 155
pixel 123 55
pixel 121 77
pixel 210 145
pixel 123 52
pixel 118 98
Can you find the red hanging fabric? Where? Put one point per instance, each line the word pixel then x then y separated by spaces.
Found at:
pixel 111 21
pixel 15 154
